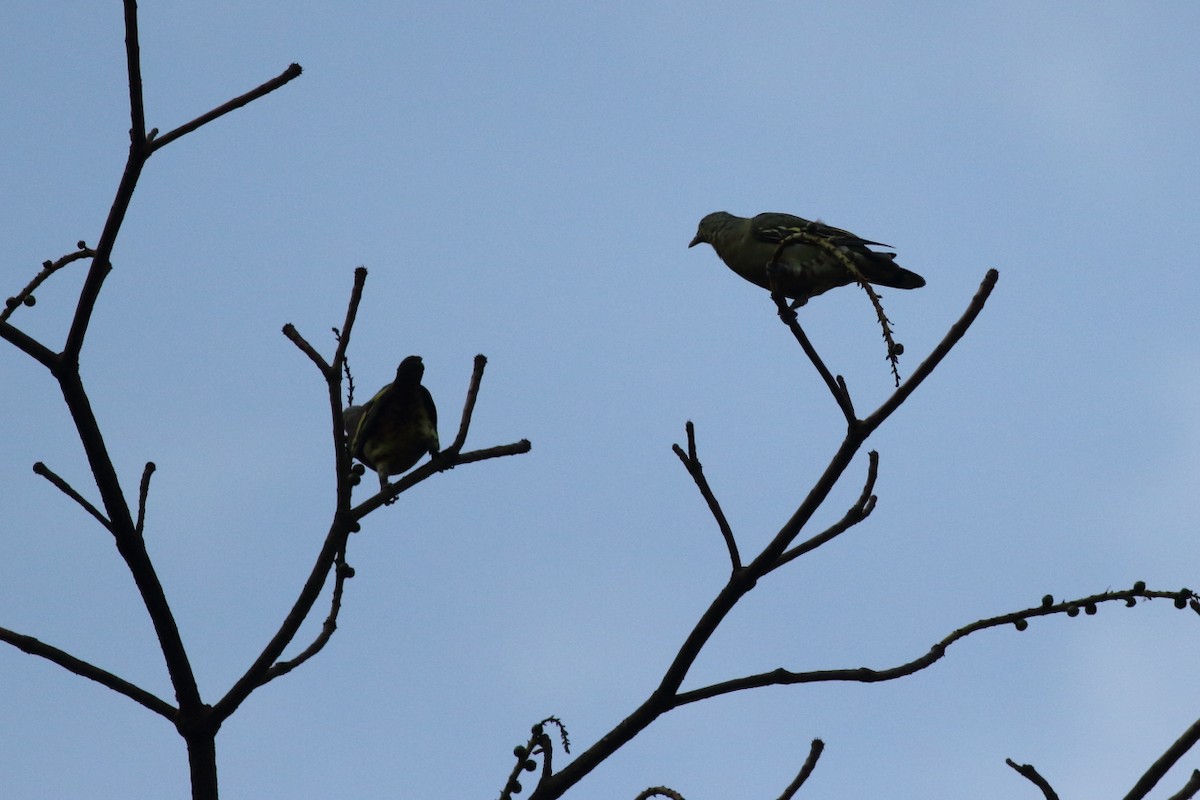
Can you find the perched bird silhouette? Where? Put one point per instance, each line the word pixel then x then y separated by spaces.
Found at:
pixel 804 270
pixel 391 431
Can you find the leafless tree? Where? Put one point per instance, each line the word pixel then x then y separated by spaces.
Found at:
pixel 198 721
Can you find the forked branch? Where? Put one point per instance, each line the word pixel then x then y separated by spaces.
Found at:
pixel 667 695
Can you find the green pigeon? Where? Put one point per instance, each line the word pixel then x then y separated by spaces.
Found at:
pixel 391 431
pixel 804 270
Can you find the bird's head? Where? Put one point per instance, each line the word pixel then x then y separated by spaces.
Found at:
pixel 410 371
pixel 709 227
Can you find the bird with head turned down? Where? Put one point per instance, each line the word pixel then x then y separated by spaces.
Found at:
pixel 804 270
pixel 391 431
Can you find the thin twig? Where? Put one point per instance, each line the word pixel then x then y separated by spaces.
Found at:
pixel 339 353
pixel 861 509
pixel 24 296
pixel 35 647
pixel 469 404
pixel 342 571
pixel 923 370
pixel 1031 774
pixel 837 387
pixel 691 463
pixel 810 763
pixel 289 330
pixel 66 488
pixel 442 463
pixel 143 492
pixel 293 71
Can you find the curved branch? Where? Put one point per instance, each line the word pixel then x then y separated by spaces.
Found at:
pixel 861 509
pixel 783 677
pixel 24 296
pixel 468 405
pixel 342 572
pixel 810 763
pixel 143 495
pixel 1031 774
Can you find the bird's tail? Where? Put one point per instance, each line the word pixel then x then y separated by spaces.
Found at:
pixel 884 271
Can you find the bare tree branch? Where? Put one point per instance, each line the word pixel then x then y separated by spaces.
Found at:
pixel 666 696
pixel 837 387
pixel 468 406
pixel 35 647
pixel 956 332
pixel 1189 789
pixel 434 466
pixel 25 296
pixel 66 488
pixel 1164 762
pixel 691 463
pixel 861 509
pixel 810 763
pixel 143 494
pixel 356 292
pixel 1028 772
pixel 133 68
pixel 293 71
pixel 783 677
pixel 342 572
pixel 293 335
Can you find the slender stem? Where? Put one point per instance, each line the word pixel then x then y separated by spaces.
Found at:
pixel 66 488
pixel 810 763
pixel 293 71
pixel 691 463
pixel 469 405
pixel 36 647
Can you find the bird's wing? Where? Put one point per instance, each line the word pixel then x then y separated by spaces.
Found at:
pixel 430 408
pixel 369 419
pixel 774 228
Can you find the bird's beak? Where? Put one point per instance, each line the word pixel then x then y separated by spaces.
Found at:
pixel 696 241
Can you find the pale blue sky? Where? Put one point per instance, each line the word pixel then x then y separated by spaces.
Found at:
pixel 521 180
